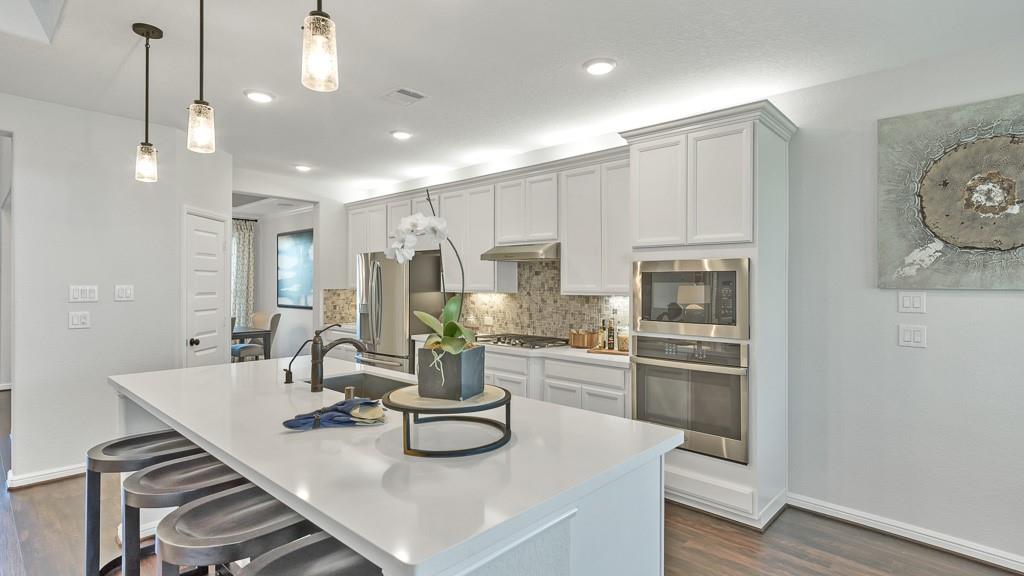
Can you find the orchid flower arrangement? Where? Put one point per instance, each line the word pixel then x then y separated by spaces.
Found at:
pixel 449 336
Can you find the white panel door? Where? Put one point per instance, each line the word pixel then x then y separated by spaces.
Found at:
pixel 720 185
pixel 617 256
pixel 479 238
pixel 206 299
pixel 396 211
pixel 356 242
pixel 581 231
pixel 604 401
pixel 657 193
pixel 514 383
pixel 564 393
pixel 453 209
pixel 510 212
pixel 541 195
pixel 377 228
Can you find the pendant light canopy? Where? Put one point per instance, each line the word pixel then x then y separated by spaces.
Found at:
pixel 319 51
pixel 202 135
pixel 145 155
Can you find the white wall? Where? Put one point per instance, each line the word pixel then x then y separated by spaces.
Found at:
pixel 82 218
pixel 296 325
pixel 932 438
pixel 6 288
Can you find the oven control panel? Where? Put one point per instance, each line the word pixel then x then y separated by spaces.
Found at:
pixel 702 351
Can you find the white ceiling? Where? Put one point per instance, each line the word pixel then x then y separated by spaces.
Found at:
pixel 501 76
pixel 266 207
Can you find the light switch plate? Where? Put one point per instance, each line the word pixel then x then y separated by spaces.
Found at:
pixel 913 336
pixel 912 302
pixel 79 320
pixel 124 293
pixel 80 293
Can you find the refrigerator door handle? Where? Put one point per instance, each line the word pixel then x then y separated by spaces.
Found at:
pixel 379 296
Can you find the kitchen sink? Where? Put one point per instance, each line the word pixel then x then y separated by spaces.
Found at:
pixel 366 385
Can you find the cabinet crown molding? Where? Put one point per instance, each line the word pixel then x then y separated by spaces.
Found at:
pixel 763 111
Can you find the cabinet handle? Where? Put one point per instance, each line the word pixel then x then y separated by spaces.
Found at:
pixel 193 341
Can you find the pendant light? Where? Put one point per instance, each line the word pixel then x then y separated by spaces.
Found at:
pixel 319 51
pixel 145 155
pixel 202 136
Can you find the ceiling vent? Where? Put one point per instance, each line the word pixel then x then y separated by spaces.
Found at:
pixel 403 96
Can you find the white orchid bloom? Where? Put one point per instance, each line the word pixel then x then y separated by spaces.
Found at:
pixel 436 229
pixel 413 224
pixel 409 232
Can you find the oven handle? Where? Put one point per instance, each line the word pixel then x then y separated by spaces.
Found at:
pixel 730 370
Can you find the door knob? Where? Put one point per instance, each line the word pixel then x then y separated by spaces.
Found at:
pixel 193 341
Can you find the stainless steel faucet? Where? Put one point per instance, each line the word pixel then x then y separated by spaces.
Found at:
pixel 318 350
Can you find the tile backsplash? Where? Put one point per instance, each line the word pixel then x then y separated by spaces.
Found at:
pixel 538 308
pixel 340 306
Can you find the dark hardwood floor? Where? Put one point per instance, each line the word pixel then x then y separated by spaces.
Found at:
pixel 41 530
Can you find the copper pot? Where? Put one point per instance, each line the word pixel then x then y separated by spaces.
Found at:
pixel 583 338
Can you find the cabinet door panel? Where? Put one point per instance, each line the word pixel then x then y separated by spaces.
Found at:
pixel 377 228
pixel 657 194
pixel 617 256
pixel 581 208
pixel 479 238
pixel 604 401
pixel 421 206
pixel 564 393
pixel 541 193
pixel 514 383
pixel 720 185
pixel 397 211
pixel 356 242
pixel 453 209
pixel 510 212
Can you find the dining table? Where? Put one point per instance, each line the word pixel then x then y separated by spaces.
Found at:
pixel 243 333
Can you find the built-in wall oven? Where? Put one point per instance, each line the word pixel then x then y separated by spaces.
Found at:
pixel 692 297
pixel 698 386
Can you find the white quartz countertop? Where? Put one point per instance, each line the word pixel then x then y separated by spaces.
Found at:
pixel 555 353
pixel 409 515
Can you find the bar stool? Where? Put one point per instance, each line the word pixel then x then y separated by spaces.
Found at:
pixel 316 555
pixel 127 454
pixel 237 523
pixel 170 484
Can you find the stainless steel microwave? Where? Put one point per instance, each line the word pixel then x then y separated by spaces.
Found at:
pixel 693 297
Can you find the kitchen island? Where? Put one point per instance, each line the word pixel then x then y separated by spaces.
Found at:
pixel 573 492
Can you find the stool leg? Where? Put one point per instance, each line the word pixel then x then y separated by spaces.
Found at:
pixel 168 569
pixel 130 541
pixel 92 523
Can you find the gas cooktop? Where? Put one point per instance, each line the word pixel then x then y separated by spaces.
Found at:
pixel 522 340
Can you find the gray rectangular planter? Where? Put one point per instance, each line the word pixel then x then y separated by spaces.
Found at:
pixel 463 374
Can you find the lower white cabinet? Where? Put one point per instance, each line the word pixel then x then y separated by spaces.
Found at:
pixel 611 402
pixel 514 383
pixel 564 393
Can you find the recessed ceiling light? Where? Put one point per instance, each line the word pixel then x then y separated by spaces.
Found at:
pixel 303 168
pixel 259 97
pixel 401 135
pixel 599 66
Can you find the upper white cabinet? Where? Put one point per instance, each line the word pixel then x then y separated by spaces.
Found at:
pixel 720 184
pixel 694 181
pixel 470 216
pixel 367 232
pixel 596 255
pixel 658 197
pixel 397 210
pixel 527 210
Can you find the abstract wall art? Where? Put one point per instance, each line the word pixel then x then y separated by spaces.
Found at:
pixel 295 269
pixel 950 196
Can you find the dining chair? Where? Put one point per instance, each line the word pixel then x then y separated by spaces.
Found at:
pixel 253 349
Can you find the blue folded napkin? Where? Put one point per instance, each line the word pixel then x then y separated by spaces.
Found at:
pixel 333 416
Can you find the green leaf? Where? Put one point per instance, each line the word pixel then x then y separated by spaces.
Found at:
pixel 431 322
pixel 453 345
pixel 431 340
pixel 468 335
pixel 452 310
pixel 452 330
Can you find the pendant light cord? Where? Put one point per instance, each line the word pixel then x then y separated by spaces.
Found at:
pixel 147 88
pixel 201 50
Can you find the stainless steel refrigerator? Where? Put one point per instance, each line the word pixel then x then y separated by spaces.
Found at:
pixel 386 294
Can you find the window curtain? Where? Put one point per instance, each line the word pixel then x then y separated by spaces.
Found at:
pixel 243 271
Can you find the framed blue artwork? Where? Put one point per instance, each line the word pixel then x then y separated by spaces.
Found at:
pixel 295 269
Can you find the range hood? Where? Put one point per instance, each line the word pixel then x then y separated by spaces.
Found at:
pixel 523 253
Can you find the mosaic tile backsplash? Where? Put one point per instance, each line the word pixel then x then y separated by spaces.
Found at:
pixel 538 308
pixel 340 306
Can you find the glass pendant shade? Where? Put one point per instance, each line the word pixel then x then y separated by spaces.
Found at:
pixel 319 53
pixel 202 136
pixel 146 163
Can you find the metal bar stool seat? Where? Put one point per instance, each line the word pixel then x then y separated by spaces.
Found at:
pixel 126 454
pixel 241 522
pixel 169 484
pixel 316 555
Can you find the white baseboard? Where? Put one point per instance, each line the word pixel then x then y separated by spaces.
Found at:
pixel 910 532
pixel 23 480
